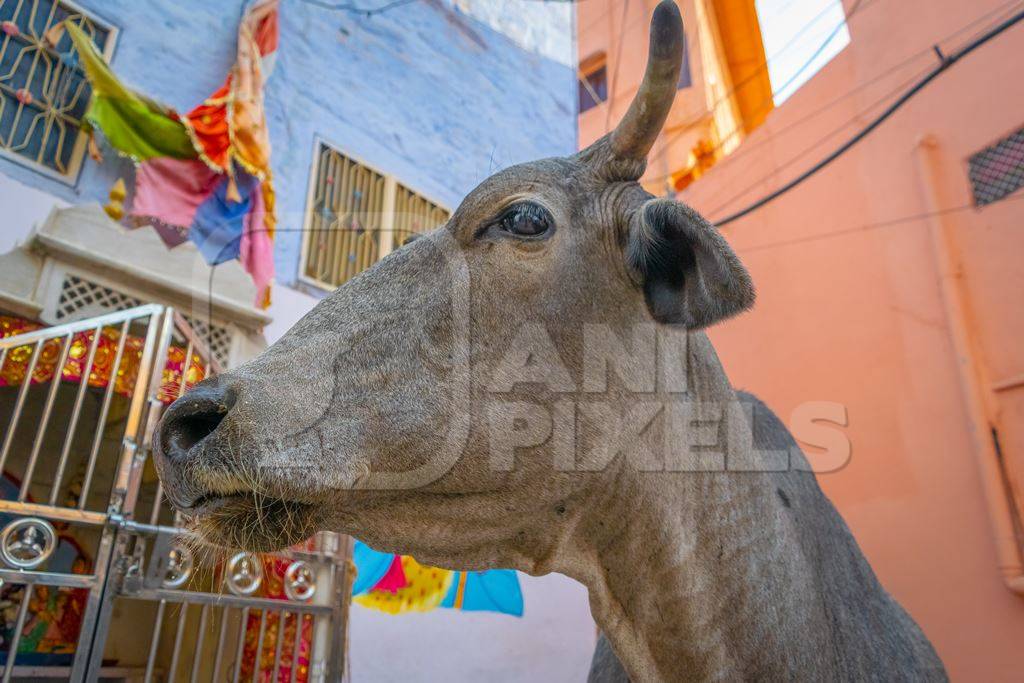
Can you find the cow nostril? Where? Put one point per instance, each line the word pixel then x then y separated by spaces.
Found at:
pixel 192 418
pixel 188 430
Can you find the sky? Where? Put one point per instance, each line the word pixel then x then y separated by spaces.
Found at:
pixel 800 37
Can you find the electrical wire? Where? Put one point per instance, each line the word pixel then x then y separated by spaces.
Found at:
pixel 867 226
pixel 817 52
pixel 618 62
pixel 860 4
pixel 946 62
pixel 720 205
pixel 356 9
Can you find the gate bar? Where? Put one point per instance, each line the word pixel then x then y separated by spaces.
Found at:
pixel 19 624
pixel 19 404
pixel 76 412
pixel 44 421
pixel 178 633
pixel 219 654
pixel 194 672
pixel 157 627
pixel 104 411
pixel 241 644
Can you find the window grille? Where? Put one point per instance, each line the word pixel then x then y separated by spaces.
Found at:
pixel 592 81
pixel 217 338
pixel 357 216
pixel 43 90
pixel 414 215
pixel 997 171
pixel 80 299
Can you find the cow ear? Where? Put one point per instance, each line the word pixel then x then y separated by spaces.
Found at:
pixel 690 274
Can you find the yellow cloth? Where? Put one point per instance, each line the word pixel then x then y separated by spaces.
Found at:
pixel 424 590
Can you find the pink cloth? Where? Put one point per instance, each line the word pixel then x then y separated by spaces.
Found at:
pixel 394 577
pixel 170 190
pixel 257 249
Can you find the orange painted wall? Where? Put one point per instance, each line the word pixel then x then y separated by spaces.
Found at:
pixel 851 310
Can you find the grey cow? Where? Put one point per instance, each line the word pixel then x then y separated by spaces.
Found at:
pixel 529 386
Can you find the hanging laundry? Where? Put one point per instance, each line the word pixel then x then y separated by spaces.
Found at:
pixel 205 176
pixel 135 126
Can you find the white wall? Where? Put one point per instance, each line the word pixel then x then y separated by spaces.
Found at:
pixel 551 643
pixel 21 208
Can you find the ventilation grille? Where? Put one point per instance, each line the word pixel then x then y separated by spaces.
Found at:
pixel 997 171
pixel 81 299
pixel 217 338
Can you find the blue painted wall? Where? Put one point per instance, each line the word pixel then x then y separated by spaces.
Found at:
pixel 422 92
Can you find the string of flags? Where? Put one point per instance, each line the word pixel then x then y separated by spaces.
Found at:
pixel 203 176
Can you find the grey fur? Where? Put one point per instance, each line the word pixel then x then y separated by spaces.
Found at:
pixel 835 547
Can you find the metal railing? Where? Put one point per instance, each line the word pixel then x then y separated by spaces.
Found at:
pixel 78 405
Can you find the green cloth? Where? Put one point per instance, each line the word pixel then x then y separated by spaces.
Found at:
pixel 135 126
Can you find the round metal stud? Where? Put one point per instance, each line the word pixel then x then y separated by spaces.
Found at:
pixel 244 574
pixel 299 581
pixel 26 543
pixel 179 567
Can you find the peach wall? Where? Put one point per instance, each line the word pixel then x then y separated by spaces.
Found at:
pixel 852 311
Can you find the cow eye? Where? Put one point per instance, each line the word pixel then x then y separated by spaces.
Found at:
pixel 526 220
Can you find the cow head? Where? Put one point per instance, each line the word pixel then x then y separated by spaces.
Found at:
pixel 392 411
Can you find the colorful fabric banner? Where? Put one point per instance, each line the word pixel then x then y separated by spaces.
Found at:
pixel 205 176
pixel 220 221
pixel 167 194
pixel 397 584
pixel 135 125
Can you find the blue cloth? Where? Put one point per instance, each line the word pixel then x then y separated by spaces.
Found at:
pixel 495 590
pixel 371 566
pixel 219 222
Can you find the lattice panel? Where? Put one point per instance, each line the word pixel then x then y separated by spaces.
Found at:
pixel 997 171
pixel 217 338
pixel 81 298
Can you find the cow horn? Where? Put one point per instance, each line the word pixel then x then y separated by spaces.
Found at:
pixel 633 138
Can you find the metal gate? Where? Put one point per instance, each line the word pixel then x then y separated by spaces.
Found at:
pixel 98 579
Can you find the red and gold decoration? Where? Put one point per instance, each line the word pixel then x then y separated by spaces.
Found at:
pixel 274 569
pixel 125 375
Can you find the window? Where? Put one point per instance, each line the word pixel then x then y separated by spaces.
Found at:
pixel 43 92
pixel 997 171
pixel 593 82
pixel 356 216
pixel 685 81
pixel 800 37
